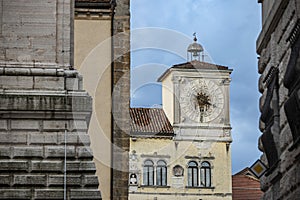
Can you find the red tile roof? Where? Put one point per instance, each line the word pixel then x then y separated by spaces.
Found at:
pixel 150 122
pixel 245 186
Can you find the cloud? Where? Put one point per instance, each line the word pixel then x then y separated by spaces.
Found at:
pixel 228 31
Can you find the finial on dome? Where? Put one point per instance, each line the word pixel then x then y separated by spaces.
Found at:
pixel 195 36
pixel 195 50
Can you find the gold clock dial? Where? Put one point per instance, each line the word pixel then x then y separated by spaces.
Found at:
pixel 201 100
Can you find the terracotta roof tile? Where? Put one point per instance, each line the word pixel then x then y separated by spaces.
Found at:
pixel 245 186
pixel 150 122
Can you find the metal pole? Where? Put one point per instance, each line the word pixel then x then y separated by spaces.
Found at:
pixel 63 62
pixel 65 165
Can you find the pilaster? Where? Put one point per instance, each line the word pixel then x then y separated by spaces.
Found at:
pixel 121 96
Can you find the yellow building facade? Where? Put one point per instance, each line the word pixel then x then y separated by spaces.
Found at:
pixel 93 59
pixel 182 154
pixel 101 54
pixel 182 151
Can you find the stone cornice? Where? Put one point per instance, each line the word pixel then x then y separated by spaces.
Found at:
pixel 65 103
pixel 92 4
pixel 93 9
pixel 96 14
pixel 270 24
pixel 29 71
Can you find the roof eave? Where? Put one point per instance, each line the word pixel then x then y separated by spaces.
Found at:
pixel 164 75
pixel 178 68
pixel 168 71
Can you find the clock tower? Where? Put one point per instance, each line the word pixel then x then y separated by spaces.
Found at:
pixel 196 98
pixel 196 101
pixel 182 150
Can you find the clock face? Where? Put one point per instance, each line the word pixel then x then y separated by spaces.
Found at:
pixel 202 100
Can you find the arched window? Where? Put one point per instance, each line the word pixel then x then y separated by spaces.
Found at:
pixel 148 173
pixel 161 173
pixel 205 174
pixel 192 174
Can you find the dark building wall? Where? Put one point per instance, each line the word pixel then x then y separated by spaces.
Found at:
pixel 279 65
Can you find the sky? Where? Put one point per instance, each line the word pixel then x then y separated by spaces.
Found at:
pixel 161 30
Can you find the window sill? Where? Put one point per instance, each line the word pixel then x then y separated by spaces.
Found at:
pixel 199 187
pixel 155 186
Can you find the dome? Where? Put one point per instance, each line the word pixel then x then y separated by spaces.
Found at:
pixel 195 47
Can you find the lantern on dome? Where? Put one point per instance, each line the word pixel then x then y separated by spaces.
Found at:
pixel 195 51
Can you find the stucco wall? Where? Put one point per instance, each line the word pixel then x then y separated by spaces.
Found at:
pixel 180 153
pixel 168 98
pixel 93 59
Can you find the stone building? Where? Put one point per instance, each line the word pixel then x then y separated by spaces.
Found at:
pixel 45 113
pixel 43 99
pixel 278 48
pixel 182 151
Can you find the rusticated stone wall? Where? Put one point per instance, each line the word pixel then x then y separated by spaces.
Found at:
pixel 279 65
pixel 32 147
pixel 41 100
pixel 23 44
pixel 121 96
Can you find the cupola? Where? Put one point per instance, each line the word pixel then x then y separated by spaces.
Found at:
pixel 195 51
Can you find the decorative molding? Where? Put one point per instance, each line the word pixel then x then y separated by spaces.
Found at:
pixel 294 34
pixel 184 194
pixel 155 156
pixel 178 79
pixel 199 187
pixel 178 171
pixel 202 158
pixel 23 102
